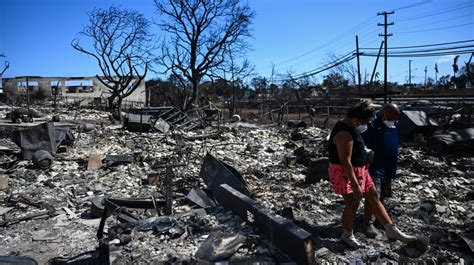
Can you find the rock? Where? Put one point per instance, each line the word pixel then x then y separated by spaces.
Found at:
pixel 3 182
pixel 129 144
pixel 94 162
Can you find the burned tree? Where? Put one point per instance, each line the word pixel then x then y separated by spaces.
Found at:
pixel 346 69
pixel 234 74
pixel 468 66
pixel 5 67
pixel 202 35
pixel 121 44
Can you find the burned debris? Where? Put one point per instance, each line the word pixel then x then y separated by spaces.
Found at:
pixel 162 118
pixel 196 190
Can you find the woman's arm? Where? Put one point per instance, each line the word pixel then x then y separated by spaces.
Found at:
pixel 344 142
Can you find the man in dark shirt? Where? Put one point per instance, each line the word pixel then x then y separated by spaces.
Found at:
pixel 382 138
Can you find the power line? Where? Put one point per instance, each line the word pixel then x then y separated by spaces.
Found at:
pixel 323 68
pixel 413 5
pixel 310 60
pixel 428 54
pixel 433 29
pixel 414 53
pixel 438 12
pixel 433 50
pixel 444 20
pixel 342 58
pixel 365 23
pixel 425 45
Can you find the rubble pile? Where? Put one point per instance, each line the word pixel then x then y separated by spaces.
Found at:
pixel 53 214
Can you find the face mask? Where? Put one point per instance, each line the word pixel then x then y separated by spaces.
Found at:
pixel 361 128
pixel 389 124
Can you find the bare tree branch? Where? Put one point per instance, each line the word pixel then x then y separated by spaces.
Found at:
pixel 122 47
pixel 203 33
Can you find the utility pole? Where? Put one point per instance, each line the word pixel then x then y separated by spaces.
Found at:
pixel 358 64
pixel 409 72
pixel 425 74
pixel 375 66
pixel 385 35
pixel 27 94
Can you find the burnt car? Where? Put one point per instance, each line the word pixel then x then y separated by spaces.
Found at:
pixel 21 115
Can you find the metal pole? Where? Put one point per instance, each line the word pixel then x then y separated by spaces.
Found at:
pixel 425 74
pixel 376 61
pixel 409 72
pixel 385 62
pixel 358 63
pixel 27 94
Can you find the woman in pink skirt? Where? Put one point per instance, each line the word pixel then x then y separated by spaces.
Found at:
pixel 349 174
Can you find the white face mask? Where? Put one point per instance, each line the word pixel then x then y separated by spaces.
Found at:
pixel 389 124
pixel 361 128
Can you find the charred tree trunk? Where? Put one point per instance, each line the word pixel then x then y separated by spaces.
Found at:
pixel 110 101
pixel 119 107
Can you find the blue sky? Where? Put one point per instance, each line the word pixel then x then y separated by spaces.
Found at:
pixel 294 35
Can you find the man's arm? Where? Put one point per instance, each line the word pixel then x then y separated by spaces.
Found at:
pixel 369 136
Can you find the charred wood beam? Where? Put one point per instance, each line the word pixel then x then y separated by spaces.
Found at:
pixel 169 190
pixel 115 205
pixel 288 237
pixel 203 136
pixel 45 213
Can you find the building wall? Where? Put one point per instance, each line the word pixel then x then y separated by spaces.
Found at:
pixel 45 87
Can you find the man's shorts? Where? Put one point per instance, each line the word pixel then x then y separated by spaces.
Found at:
pixel 341 183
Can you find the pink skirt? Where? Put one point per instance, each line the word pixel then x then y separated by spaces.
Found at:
pixel 341 183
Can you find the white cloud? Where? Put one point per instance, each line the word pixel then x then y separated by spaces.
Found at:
pixel 445 59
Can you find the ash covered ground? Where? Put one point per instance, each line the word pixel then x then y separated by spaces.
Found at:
pixel 433 197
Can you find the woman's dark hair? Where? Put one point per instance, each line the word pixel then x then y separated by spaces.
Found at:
pixel 361 111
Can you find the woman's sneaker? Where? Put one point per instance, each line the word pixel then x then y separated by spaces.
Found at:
pixel 393 233
pixel 349 239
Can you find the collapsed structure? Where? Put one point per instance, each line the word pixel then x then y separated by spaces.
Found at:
pixel 170 186
pixel 88 90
